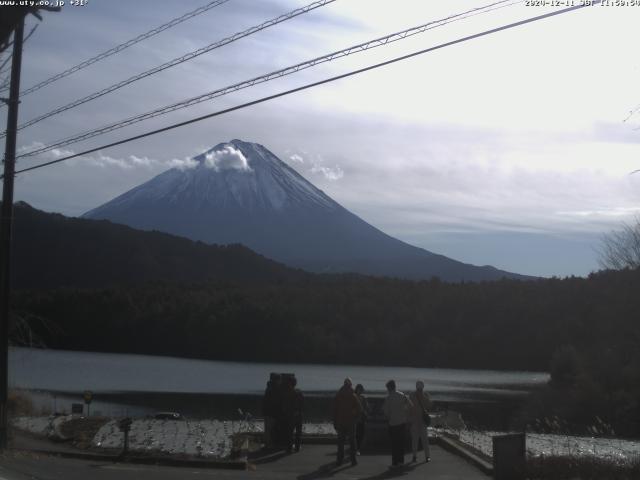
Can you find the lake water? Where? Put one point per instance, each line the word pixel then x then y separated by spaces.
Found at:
pixel 133 382
pixel 136 385
pixel 66 371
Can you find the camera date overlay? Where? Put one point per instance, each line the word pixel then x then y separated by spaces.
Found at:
pixel 582 3
pixel 43 3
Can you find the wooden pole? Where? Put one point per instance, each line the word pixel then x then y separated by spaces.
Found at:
pixel 6 222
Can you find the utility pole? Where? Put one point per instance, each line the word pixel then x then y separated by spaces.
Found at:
pixel 5 227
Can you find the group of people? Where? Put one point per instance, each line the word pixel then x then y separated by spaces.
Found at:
pixel 282 407
pixel 351 410
pixel 412 411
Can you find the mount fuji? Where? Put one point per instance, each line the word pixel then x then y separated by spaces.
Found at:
pixel 240 192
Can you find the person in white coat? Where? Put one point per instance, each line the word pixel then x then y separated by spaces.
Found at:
pixel 420 405
pixel 396 408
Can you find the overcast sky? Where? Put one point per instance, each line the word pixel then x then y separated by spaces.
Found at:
pixel 513 150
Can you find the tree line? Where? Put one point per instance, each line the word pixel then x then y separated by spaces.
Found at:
pixel 584 330
pixel 228 303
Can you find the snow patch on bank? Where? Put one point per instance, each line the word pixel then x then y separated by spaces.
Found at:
pixel 538 444
pixel 207 439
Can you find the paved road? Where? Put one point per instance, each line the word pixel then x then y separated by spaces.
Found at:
pixel 314 462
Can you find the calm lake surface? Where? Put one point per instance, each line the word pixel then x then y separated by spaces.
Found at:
pixel 140 385
pixel 66 371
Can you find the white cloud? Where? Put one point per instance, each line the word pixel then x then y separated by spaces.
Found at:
pixel 604 213
pixel 142 161
pixel 31 146
pixel 100 160
pixel 415 148
pixel 315 165
pixel 330 173
pixel 182 163
pixel 227 158
pixel 60 153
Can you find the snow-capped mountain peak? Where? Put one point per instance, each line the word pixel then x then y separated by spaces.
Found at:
pixel 240 192
pixel 236 175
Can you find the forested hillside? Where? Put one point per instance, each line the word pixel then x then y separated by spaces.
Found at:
pixel 169 296
pixel 504 325
pixel 51 250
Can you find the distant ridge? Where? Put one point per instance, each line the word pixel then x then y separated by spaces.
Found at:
pixel 240 192
pixel 51 250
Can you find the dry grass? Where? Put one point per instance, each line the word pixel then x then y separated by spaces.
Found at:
pixel 19 404
pixel 82 430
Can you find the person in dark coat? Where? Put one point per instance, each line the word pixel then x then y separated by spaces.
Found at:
pixel 271 410
pixel 297 416
pixel 363 417
pixel 291 414
pixel 346 411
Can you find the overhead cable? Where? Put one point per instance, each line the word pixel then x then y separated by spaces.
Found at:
pixel 122 46
pixel 4 71
pixel 178 60
pixel 381 41
pixel 311 85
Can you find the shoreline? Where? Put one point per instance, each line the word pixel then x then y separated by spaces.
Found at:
pixel 303 364
pixel 495 413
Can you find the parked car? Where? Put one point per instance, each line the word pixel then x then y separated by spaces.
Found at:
pixel 168 416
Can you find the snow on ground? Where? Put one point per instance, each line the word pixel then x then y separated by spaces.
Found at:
pixel 38 425
pixel 559 445
pixel 213 438
pixel 203 438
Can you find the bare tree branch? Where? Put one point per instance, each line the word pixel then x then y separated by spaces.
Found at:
pixel 620 249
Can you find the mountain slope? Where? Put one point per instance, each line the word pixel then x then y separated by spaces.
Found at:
pixel 51 250
pixel 240 192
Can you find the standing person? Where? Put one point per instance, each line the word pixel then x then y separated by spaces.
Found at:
pixel 298 406
pixel 271 409
pixel 284 418
pixel 363 417
pixel 421 403
pixel 396 407
pixel 346 411
pixel 290 411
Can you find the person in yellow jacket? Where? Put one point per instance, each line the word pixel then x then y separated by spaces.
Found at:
pixel 346 411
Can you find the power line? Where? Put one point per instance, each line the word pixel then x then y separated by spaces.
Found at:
pixel 311 85
pixel 5 83
pixel 5 77
pixel 4 63
pixel 381 41
pixel 124 45
pixel 179 60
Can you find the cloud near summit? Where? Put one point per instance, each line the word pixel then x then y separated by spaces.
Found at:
pixel 226 158
pixel 314 164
